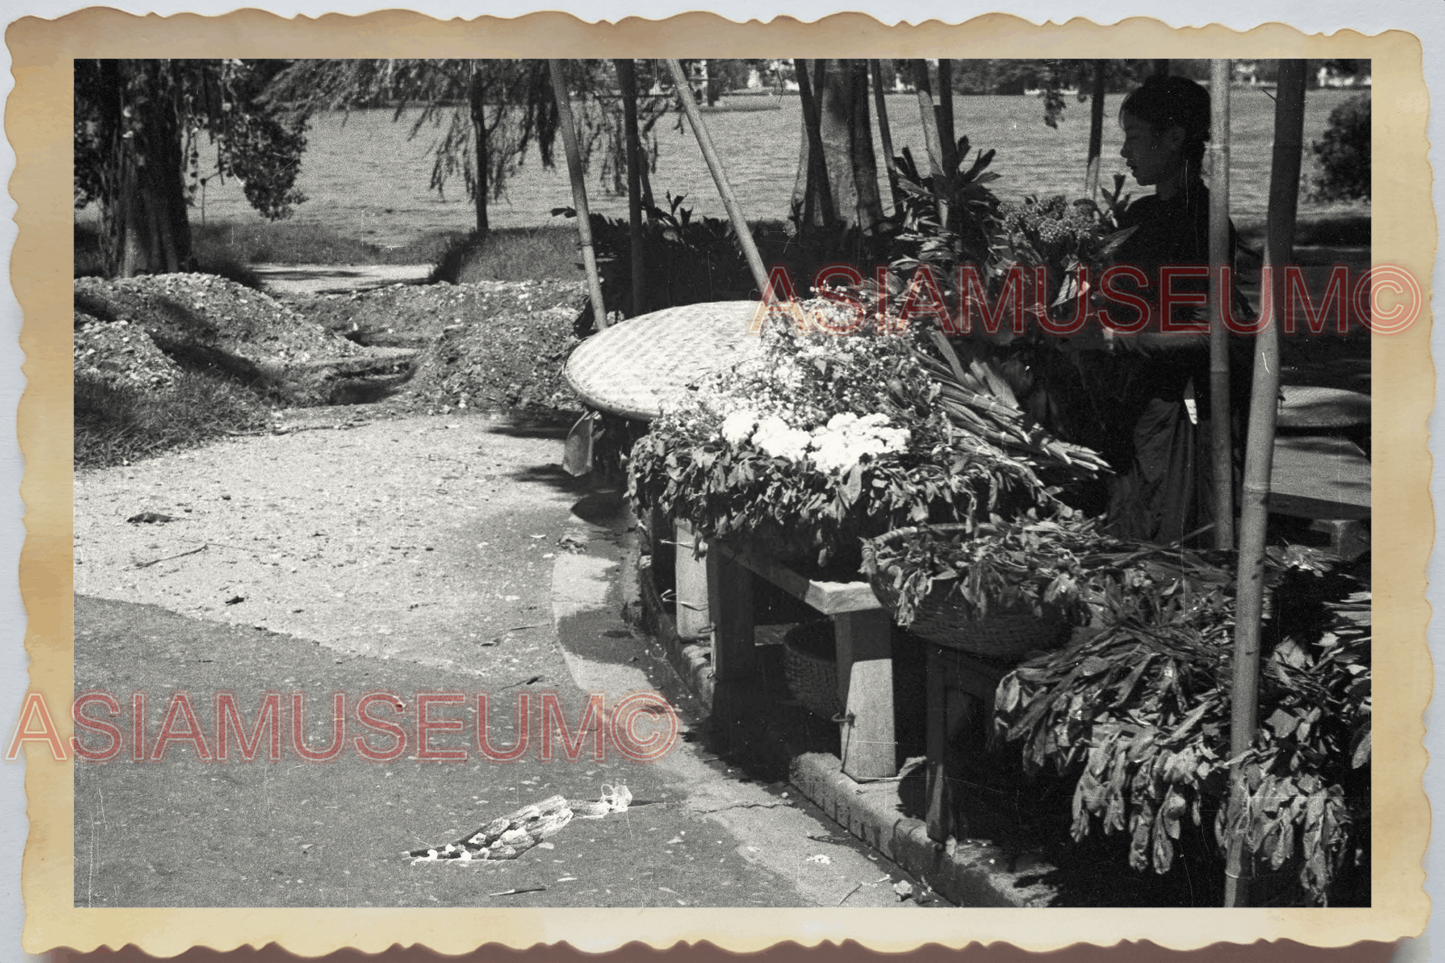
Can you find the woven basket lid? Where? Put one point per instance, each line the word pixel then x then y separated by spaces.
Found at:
pixel 631 368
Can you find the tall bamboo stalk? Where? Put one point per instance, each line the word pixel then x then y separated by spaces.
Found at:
pixel 579 191
pixel 719 176
pixel 1221 442
pixel 817 162
pixel 1259 455
pixel 885 136
pixel 627 86
pixel 1096 131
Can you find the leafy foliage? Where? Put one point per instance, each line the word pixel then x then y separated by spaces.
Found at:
pixel 689 259
pixel 948 216
pixel 1343 153
pixel 688 467
pixel 1137 710
pixel 137 128
pixel 1026 565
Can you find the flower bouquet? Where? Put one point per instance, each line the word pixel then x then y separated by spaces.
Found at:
pixel 1074 242
pixel 821 440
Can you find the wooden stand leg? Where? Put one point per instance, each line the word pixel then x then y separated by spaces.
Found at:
pixel 730 600
pixel 939 818
pixel 690 577
pixel 865 682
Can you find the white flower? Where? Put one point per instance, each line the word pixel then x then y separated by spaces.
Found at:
pixel 737 426
pixel 847 438
pixel 780 441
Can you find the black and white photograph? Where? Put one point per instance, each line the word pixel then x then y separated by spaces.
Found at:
pixel 678 484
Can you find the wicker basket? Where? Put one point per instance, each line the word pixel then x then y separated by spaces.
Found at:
pixel 810 668
pixel 950 622
pixel 1000 635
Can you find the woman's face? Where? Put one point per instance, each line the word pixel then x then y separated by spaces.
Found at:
pixel 1154 156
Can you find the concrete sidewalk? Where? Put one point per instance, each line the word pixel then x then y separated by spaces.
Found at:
pixel 973 872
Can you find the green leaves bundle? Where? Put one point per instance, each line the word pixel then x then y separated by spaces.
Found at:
pixel 1137 709
pixel 821 440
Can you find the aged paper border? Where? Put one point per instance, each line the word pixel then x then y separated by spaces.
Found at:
pixel 38 125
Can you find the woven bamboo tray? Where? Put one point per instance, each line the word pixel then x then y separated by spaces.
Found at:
pixel 810 668
pixel 631 368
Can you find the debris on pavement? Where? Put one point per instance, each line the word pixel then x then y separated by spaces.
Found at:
pixel 508 837
pixel 515 891
pixel 150 518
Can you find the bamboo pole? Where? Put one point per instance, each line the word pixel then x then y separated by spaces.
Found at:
pixel 817 161
pixel 1096 131
pixel 1258 460
pixel 719 176
pixel 1220 429
pixel 946 142
pixel 579 191
pixel 885 136
pixel 627 87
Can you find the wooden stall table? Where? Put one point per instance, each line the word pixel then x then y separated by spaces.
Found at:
pixel 634 366
pixel 953 675
pixel 863 634
pixel 631 369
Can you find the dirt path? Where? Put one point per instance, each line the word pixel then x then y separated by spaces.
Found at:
pixel 418 555
pixel 379 539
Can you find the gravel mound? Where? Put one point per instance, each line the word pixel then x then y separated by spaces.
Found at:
pixel 120 353
pixel 486 345
pixel 206 313
pixel 514 361
pixel 417 314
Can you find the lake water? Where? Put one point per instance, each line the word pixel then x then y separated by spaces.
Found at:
pixel 365 178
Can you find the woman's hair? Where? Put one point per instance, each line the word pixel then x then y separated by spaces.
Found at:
pixel 1166 101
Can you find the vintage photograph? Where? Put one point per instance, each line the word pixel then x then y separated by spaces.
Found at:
pixel 653 483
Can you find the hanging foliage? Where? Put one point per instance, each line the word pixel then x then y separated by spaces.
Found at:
pixel 485 115
pixel 1136 711
pixel 139 125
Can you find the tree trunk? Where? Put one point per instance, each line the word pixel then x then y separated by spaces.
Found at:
pixel 476 94
pixel 885 136
pixel 812 180
pixel 1096 131
pixel 849 169
pixel 627 86
pixel 145 218
pixel 946 141
pixel 867 204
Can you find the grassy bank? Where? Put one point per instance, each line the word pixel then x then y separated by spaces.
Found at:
pixel 520 254
pixel 119 424
pixel 508 254
pixel 1342 224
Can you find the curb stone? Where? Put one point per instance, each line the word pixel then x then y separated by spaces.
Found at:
pixel 974 874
